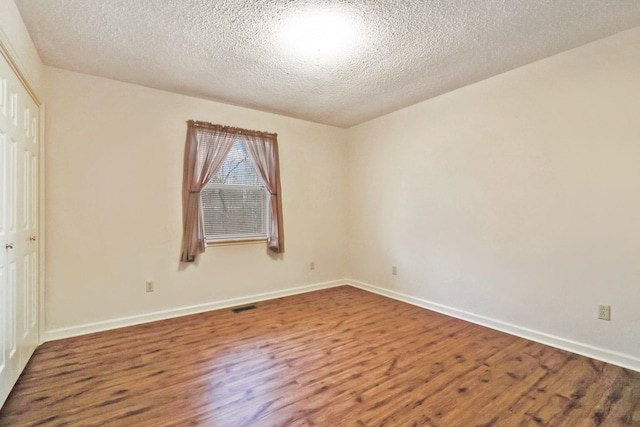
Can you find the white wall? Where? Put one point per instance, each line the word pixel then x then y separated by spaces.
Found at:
pixel 114 216
pixel 515 200
pixel 17 41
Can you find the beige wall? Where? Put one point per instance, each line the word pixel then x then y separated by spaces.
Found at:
pixel 114 178
pixel 516 199
pixel 17 41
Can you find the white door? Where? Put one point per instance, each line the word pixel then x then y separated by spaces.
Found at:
pixel 18 228
pixel 28 223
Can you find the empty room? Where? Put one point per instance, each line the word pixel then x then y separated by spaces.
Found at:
pixel 319 213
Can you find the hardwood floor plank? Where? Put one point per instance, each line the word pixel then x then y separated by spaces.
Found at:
pixel 336 357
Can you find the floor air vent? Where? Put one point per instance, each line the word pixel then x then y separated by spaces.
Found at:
pixel 245 308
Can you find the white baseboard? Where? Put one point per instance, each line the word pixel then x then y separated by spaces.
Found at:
pixel 88 328
pixel 615 358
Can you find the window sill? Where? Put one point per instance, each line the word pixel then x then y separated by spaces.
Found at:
pixel 229 242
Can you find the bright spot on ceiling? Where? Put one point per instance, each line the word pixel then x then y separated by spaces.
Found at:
pixel 320 32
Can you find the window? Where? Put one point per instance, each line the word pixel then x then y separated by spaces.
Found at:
pixel 234 201
pixel 230 188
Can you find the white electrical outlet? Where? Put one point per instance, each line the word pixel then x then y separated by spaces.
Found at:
pixel 604 312
pixel 312 265
pixel 149 286
pixel 394 270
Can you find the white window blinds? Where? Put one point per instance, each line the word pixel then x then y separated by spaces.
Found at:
pixel 234 202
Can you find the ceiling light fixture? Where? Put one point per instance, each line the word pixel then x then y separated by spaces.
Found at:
pixel 324 32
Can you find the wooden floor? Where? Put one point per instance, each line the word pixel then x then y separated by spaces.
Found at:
pixel 337 357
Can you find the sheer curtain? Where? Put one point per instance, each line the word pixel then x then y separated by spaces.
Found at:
pixel 263 150
pixel 206 147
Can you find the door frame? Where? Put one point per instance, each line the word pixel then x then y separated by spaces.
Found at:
pixel 41 229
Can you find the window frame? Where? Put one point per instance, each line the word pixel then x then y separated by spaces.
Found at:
pixel 236 239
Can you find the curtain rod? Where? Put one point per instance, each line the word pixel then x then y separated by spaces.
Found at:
pixel 230 129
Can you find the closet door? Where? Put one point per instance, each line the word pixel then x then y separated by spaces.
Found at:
pixel 18 228
pixel 28 225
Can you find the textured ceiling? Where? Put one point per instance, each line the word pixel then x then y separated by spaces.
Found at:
pixel 395 54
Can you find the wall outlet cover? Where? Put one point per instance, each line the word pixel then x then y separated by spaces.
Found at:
pixel 604 312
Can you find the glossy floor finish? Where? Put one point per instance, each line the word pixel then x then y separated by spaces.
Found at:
pixel 336 357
